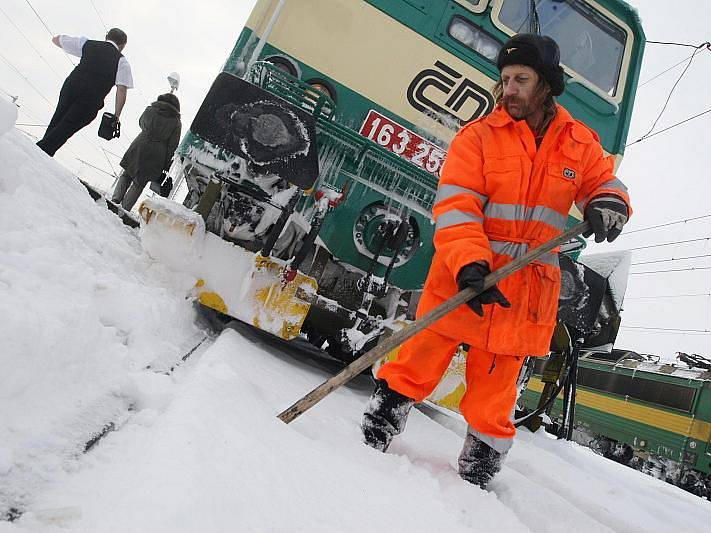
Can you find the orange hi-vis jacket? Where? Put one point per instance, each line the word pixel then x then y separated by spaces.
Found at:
pixel 499 196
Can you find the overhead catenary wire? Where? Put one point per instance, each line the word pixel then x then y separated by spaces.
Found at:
pixel 669 243
pixel 17 71
pixel 672 43
pixel 687 258
pixel 679 330
pixel 99 15
pixel 705 45
pixel 11 96
pixel 668 128
pixel 696 295
pixel 665 224
pixel 24 36
pixel 669 270
pixel 664 71
pixel 51 34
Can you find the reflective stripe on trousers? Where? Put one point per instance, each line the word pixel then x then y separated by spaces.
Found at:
pixel 498 444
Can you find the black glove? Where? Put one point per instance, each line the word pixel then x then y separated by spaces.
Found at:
pixel 607 216
pixel 472 275
pixel 166 187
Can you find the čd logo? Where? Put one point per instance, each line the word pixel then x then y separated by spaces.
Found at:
pixel 445 94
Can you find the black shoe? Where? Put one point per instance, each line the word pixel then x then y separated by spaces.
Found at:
pixel 479 462
pixel 385 416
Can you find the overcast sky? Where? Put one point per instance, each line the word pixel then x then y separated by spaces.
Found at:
pixel 669 175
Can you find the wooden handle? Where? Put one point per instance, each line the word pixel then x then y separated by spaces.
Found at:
pixel 397 338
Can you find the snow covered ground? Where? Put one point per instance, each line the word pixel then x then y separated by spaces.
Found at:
pixel 90 327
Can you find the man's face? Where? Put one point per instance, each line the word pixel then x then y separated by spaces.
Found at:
pixel 520 95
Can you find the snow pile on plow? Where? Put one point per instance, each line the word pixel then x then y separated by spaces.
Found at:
pixel 83 312
pixel 229 278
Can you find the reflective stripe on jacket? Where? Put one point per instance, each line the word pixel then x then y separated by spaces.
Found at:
pixel 498 197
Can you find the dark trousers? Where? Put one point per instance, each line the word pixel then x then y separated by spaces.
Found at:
pixel 78 105
pixel 127 191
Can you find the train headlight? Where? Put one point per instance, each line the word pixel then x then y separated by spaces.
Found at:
pixel 323 87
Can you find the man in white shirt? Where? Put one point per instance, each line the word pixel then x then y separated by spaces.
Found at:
pixel 82 96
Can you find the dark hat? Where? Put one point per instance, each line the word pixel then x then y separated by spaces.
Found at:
pixel 539 52
pixel 171 99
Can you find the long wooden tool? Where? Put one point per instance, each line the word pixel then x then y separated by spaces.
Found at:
pixel 397 338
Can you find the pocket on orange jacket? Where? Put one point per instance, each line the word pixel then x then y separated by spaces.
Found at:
pixel 544 284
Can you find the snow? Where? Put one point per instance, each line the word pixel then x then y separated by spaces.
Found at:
pixel 8 115
pixel 83 311
pixel 615 266
pixel 90 326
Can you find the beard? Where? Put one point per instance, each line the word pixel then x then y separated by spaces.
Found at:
pixel 517 107
pixel 520 108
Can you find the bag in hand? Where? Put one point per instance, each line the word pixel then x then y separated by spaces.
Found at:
pixel 110 126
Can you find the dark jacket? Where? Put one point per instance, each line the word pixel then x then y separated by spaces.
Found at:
pixel 152 151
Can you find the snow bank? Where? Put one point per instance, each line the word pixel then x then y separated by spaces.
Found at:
pixel 8 115
pixel 83 312
pixel 218 460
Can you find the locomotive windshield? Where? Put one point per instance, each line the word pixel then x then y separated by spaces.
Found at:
pixel 590 44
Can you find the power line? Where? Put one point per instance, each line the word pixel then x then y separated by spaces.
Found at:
pixel 671 92
pixel 51 34
pixel 672 259
pixel 30 42
pixel 99 15
pixel 668 128
pixel 706 45
pixel 11 96
pixel 680 330
pixel 667 224
pixel 664 71
pixel 31 125
pixel 95 167
pixel 17 71
pixel 706 294
pixel 669 270
pixel 669 243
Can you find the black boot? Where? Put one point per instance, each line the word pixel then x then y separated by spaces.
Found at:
pixel 479 462
pixel 385 416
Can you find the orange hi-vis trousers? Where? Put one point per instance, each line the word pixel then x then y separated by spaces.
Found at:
pixel 491 378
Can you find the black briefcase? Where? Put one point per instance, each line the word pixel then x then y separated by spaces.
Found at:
pixel 110 126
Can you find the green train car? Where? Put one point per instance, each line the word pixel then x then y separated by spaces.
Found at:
pixel 653 417
pixel 385 84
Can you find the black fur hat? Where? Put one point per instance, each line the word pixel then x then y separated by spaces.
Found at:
pixel 539 52
pixel 171 99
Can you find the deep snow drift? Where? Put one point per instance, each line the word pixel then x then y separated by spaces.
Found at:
pixel 89 325
pixel 83 311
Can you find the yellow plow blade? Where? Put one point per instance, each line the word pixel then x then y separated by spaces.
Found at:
pixel 257 290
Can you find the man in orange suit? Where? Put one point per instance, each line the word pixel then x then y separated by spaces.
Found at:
pixel 508 183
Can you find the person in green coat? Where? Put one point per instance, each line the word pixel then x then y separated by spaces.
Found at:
pixel 150 154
